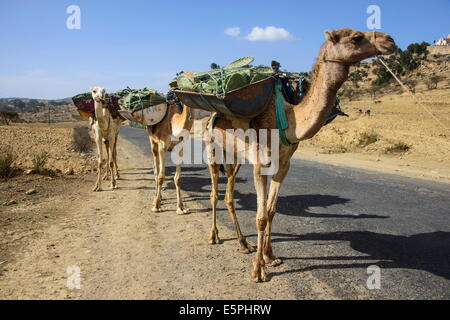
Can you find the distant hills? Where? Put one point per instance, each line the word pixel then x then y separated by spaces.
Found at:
pixel 30 105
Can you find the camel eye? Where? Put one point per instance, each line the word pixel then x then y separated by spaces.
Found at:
pixel 357 38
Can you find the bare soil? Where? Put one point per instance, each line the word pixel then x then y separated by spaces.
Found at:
pixel 28 140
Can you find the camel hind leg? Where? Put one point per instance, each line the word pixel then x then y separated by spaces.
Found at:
pixel 214 173
pixel 259 270
pixel 159 175
pixel 110 152
pixel 177 180
pixel 116 167
pixel 232 171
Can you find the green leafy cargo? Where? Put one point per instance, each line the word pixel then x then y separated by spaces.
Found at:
pixel 139 99
pixel 236 75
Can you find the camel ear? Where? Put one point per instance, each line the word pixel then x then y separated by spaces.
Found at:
pixel 91 88
pixel 331 35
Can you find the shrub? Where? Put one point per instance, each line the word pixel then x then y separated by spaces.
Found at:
pixel 7 158
pixel 337 149
pixel 398 147
pixel 81 140
pixel 367 138
pixel 39 161
pixel 433 81
pixel 411 84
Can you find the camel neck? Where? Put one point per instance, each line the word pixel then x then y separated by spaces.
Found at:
pixel 101 113
pixel 310 115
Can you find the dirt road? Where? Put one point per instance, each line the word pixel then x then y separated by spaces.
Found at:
pixel 124 251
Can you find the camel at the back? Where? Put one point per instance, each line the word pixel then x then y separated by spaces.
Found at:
pixel 177 119
pixel 106 132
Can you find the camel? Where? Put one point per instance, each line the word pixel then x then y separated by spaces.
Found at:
pixel 106 131
pixel 160 135
pixel 343 48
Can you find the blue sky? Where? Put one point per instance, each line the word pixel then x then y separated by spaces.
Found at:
pixel 144 43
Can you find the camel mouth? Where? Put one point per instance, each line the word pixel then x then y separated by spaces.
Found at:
pixel 387 49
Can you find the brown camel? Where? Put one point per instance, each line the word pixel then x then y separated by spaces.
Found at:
pixel 106 131
pixel 160 136
pixel 343 48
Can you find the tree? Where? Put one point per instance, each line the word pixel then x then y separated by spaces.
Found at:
pixel 357 76
pixel 214 66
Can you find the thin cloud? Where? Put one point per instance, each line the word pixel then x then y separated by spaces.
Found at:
pixel 269 33
pixel 233 31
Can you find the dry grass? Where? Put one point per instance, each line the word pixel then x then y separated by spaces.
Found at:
pixel 337 149
pixel 39 160
pixel 7 157
pixel 81 140
pixel 398 147
pixel 368 137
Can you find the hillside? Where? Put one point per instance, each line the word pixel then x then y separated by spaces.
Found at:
pixel 40 110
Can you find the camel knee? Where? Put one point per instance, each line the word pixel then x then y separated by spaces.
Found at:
pixel 160 179
pixel 229 203
pixel 271 214
pixel 177 181
pixel 214 199
pixel 261 223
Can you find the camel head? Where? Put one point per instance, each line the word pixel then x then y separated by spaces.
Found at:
pixel 98 93
pixel 351 46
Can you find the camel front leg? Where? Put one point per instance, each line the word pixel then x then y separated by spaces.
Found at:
pixel 108 168
pixel 259 273
pixel 110 151
pixel 232 171
pixel 99 143
pixel 214 173
pixel 275 184
pixel 177 180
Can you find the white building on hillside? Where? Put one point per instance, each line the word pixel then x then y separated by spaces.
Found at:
pixel 443 41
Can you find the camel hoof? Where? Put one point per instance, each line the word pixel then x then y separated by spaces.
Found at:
pixel 273 262
pixel 214 237
pixel 259 276
pixel 97 189
pixel 182 211
pixel 247 247
pixel 156 209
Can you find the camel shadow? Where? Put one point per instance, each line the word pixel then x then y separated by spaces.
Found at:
pixel 425 251
pixel 194 180
pixel 298 205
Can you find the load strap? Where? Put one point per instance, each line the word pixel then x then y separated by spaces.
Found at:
pixel 282 123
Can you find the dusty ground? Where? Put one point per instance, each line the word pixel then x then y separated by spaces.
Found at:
pixel 124 251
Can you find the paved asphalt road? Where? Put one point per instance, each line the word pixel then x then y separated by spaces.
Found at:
pixel 337 221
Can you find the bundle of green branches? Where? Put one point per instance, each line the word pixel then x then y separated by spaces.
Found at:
pixel 139 99
pixel 236 75
pixel 129 98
